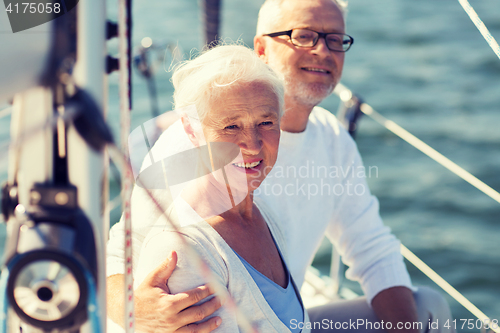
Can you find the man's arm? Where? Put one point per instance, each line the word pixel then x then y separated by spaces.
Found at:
pixel 156 310
pixel 396 305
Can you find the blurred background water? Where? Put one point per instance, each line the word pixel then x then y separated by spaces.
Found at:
pixel 422 64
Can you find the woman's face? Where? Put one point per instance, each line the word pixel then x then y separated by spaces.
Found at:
pixel 246 115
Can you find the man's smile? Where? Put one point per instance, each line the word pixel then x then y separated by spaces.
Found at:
pixel 316 70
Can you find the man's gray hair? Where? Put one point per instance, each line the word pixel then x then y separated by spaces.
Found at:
pixel 270 14
pixel 201 80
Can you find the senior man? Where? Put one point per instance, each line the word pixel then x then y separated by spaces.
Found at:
pixel 318 186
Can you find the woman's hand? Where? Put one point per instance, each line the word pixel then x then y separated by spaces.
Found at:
pixel 156 310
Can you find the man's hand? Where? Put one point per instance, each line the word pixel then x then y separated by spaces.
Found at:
pixel 395 305
pixel 156 310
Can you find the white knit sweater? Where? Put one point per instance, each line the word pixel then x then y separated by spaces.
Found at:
pixel 317 186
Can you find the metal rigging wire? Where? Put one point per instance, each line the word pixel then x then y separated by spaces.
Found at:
pixel 431 274
pixel 5 112
pixel 480 26
pixel 345 95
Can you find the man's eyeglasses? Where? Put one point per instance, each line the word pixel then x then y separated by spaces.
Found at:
pixel 308 38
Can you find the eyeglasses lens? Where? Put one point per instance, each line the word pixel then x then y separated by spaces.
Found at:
pixel 305 38
pixel 308 38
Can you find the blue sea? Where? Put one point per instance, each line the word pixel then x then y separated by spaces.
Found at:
pixel 422 64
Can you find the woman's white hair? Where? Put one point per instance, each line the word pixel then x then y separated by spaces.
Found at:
pixel 270 15
pixel 201 80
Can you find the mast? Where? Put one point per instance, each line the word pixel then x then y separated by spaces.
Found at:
pixel 211 21
pixel 88 169
pixel 53 277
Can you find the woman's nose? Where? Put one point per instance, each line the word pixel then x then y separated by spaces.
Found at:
pixel 251 141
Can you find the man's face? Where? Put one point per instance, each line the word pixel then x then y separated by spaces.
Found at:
pixel 310 73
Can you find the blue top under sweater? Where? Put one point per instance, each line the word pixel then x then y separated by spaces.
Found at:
pixel 284 301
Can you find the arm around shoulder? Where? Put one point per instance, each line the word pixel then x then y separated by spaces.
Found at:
pixel 187 284
pixel 157 309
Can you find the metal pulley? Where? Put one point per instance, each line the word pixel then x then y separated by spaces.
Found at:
pixel 51 261
pixel 47 293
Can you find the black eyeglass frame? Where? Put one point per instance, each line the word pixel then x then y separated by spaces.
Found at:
pixel 320 35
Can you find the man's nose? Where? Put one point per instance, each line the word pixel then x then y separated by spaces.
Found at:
pixel 321 47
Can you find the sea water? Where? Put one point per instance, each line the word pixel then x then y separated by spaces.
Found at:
pixel 422 64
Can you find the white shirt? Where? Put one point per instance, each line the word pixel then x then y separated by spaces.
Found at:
pixel 317 186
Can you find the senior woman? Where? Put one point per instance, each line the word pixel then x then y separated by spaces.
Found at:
pixel 230 99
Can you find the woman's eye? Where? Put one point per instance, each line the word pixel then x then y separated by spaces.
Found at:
pixel 266 123
pixel 231 127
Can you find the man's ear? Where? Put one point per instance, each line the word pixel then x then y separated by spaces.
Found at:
pixel 189 130
pixel 259 45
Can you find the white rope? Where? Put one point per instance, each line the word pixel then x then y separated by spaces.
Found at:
pixel 480 26
pixel 127 183
pixel 346 94
pixel 5 112
pixel 431 152
pixel 127 177
pixel 230 303
pixel 423 267
pixel 114 203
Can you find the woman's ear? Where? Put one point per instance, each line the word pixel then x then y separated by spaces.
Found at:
pixel 186 123
pixel 259 46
